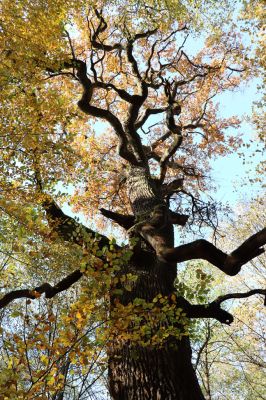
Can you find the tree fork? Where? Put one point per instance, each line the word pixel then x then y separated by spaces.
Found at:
pixel 154 230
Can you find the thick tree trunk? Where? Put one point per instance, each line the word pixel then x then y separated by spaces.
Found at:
pixel 160 372
pixel 154 374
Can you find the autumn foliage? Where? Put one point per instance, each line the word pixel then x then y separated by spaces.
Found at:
pixel 91 93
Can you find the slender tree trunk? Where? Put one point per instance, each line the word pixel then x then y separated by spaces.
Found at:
pixel 151 372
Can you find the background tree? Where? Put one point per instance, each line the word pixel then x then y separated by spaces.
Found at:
pixel 235 351
pixel 144 169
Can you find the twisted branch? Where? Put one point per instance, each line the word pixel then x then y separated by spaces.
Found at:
pixel 154 231
pixel 174 129
pixel 49 290
pixel 87 108
pixel 213 310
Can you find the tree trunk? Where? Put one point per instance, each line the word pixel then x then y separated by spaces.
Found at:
pixel 163 371
pixel 158 372
pixel 154 374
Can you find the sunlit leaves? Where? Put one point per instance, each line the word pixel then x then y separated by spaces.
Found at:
pixel 48 147
pixel 147 323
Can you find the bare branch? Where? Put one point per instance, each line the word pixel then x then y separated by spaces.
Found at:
pixel 154 231
pixel 87 108
pixel 126 221
pixel 213 309
pixel 50 291
pixel 231 296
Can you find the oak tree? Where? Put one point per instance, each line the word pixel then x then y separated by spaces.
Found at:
pixel 66 66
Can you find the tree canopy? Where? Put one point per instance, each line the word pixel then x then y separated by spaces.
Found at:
pixel 111 109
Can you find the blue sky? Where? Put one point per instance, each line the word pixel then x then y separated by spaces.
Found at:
pixel 230 172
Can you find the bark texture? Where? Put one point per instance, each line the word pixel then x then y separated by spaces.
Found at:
pixel 154 374
pixel 159 372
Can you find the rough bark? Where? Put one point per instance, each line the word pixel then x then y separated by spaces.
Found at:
pixel 158 372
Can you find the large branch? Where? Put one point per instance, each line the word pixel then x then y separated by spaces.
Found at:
pixel 87 108
pixel 128 221
pixel 49 290
pixel 157 143
pixel 131 125
pixel 123 94
pixel 131 131
pixel 147 114
pixel 130 56
pixel 170 153
pixel 244 295
pixel 154 231
pixel 133 112
pixel 169 188
pixel 130 147
pixel 178 219
pixel 67 228
pixel 70 230
pixel 213 309
pixel 129 135
pixel 228 263
pixel 174 129
pixel 96 41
